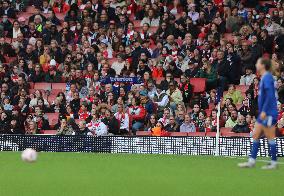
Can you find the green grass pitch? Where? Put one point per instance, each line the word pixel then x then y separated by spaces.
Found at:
pixel 84 174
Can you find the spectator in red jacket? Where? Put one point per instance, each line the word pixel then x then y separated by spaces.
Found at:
pixel 137 113
pixel 60 6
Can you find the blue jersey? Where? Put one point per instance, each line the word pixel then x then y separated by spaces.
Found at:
pixel 267 96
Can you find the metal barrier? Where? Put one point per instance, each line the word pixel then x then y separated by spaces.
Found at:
pixel 136 144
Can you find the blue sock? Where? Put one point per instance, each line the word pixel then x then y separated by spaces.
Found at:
pixel 254 150
pixel 272 149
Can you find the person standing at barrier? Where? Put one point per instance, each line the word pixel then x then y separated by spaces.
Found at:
pixel 267 119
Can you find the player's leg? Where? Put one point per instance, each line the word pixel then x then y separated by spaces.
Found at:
pixel 270 134
pixel 255 146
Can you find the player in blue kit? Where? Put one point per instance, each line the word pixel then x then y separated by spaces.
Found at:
pixel 267 118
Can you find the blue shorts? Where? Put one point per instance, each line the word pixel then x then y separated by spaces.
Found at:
pixel 268 122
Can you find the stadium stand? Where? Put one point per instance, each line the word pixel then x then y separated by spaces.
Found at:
pixel 128 66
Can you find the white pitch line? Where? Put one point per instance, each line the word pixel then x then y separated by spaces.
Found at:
pixel 257 160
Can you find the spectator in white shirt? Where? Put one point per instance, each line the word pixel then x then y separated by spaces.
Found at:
pixel 247 79
pixel 193 14
pixel 118 65
pixel 96 126
pixel 151 20
pixel 123 118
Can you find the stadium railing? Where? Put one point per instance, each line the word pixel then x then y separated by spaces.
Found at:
pixel 187 145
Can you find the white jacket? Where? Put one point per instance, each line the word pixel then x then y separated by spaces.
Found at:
pixel 97 128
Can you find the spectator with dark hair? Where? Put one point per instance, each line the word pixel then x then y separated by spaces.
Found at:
pixel 6 9
pixel 65 128
pixel 232 121
pixel 111 122
pixel 266 41
pixel 172 126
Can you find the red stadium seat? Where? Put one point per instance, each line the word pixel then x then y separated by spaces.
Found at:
pixel 42 86
pixel 199 84
pixel 232 134
pixel 143 133
pixel 210 134
pixel 178 134
pixel 59 86
pixel 201 134
pixel 32 85
pixel 225 130
pixel 56 91
pixel 49 132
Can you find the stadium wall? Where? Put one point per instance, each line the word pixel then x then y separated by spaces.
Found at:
pixel 139 145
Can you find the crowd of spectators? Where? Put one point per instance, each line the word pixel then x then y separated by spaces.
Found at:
pixel 127 64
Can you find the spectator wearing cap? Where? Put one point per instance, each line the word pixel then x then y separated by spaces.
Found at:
pixel 65 128
pixel 192 69
pixel 187 125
